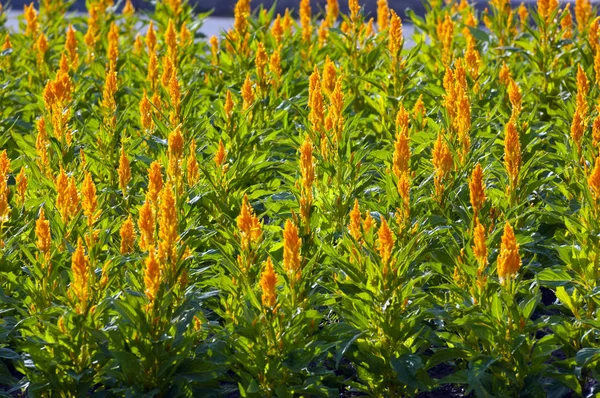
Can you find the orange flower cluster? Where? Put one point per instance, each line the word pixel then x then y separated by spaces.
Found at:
pixel 385 244
pixel 458 106
pixel 383 15
pixel 67 199
pixel 307 173
pixel 580 116
pixel 80 283
pixel 152 276
pixel 291 252
pixel 4 170
pixel 167 226
pixel 477 190
pixel 249 226
pixel 445 35
pixel 509 260
pixel 42 233
pixel 268 284
pixel 512 156
pixel 127 233
pixel 442 164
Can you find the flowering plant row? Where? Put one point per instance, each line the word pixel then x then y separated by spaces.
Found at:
pixel 302 206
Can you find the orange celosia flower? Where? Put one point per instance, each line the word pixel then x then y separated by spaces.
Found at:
pixel 228 107
pixel 4 170
pixel 329 76
pixel 442 164
pixel 566 22
pixel 402 119
pixel 127 233
pixel 128 9
pixel 480 250
pixel 509 260
pixel 89 201
pixel 514 95
pixel 583 13
pixel 72 198
pixel 277 29
pixel 124 171
pixel 332 11
pixel 146 113
pixel 512 154
pixel 175 97
pixel 368 222
pixel 175 151
pixel 7 45
pixel 594 180
pixel 291 250
pixel 109 104
pixel 151 38
pixel 41 46
pixel 22 184
pixel 335 113
pixel 477 189
pixel 214 49
pixel 445 34
pixel 401 156
pixel 419 111
pixel 315 101
pixel 355 222
pixel 167 225
pixel 268 282
pixel 305 20
pixel 155 181
pixel 261 60
pixel 307 172
pixel 192 165
pixel 91 35
pixel 247 93
pixel 147 226
pixel 113 44
pixel 30 15
pixel 171 40
pixel 504 74
pixel 168 70
pixel 596 132
pixel 385 242
pixel 81 274
pixel 152 276
pixel 403 188
pixel 62 201
pixel 42 233
pixel 275 67
pixel 219 157
pixel 71 47
pixel 523 15
pixel 383 14
pixel 395 39
pixel 248 225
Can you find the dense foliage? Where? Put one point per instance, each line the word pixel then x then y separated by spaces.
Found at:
pixel 300 207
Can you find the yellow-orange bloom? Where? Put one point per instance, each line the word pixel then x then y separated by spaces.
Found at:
pixel 152 276
pixel 261 60
pixel 315 101
pixel 355 222
pixel 155 181
pixel 307 172
pixel 504 74
pixel 4 170
pixel 329 76
pixel 193 172
pixel 127 233
pixel 147 226
pixel 566 22
pixel 30 15
pixel 509 260
pixel 512 154
pixel 395 39
pixel 275 66
pixel 385 242
pixel 332 11
pixel 124 171
pixel 146 113
pixel 402 119
pixel 480 250
pixel 228 106
pixel 113 44
pixel 445 34
pixel 22 184
pixel 41 46
pixel 583 13
pixel 151 38
pixel 594 180
pixel 277 29
pixel 81 274
pixel 401 157
pixel 523 15
pixel 247 93
pixel 248 225
pixel 477 189
pixel 335 113
pixel 175 151
pixel 171 40
pixel 71 47
pixel 220 155
pixel 383 15
pixel 167 226
pixel 128 9
pixel 268 282
pixel 514 95
pixel 42 233
pixel 305 20
pixel 291 250
pixel 596 132
pixel 89 201
pixel 442 164
pixel 175 97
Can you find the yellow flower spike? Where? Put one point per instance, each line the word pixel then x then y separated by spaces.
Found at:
pixel 168 71
pixel 336 109
pixel 146 113
pixel 472 57
pixel 315 102
pixel 305 20
pixel 151 39
pixel 442 164
pixel 480 250
pixel 214 49
pixel 175 152
pixel 91 35
pixel 184 35
pixel 277 29
pixel 62 200
pixel 42 233
pixel 355 222
pixel 72 198
pixel 174 5
pixel 566 22
pixel 383 15
pixel 403 187
pixel 477 190
pixel 509 260
pixel 275 67
pixel 307 172
pixel 80 283
pixel 402 119
pixel 31 20
pixel 152 276
pixel 152 75
pixel 219 157
pixel 248 225
pixel 596 132
pixel 171 40
pixel 268 285
pixel 155 181
pixel 368 222
pixel 395 39
pixel 523 15
pixel 127 234
pixel 332 12
pixel 445 33
pixel 147 226
pixel 128 9
pixel 228 106
pixel 514 96
pixel 22 184
pixel 504 75
pixel 354 8
pixel 261 60
pixel 175 97
pixel 108 97
pixel 512 155
pixel 580 116
pixel 89 200
pixel 113 44
pixel 287 21
pixel 583 13
pixel 291 251
pixel 71 47
pixel 419 111
pixel 401 157
pixel 7 45
pixel 41 46
pixel 167 225
pixel 193 172
pixel 124 171
pixel 41 144
pixel 385 243
pixel 594 180
pixel 247 93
